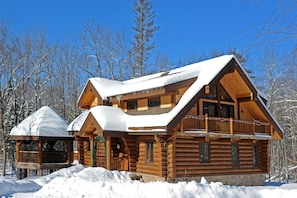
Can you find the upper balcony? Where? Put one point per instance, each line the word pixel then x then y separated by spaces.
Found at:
pixel 226 127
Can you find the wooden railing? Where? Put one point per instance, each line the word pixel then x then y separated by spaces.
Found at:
pixel 28 156
pixel 119 163
pixel 47 157
pixel 224 125
pixel 54 157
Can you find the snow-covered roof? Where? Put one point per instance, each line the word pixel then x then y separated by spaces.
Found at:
pixel 114 119
pixel 211 67
pixel 45 122
pixel 76 124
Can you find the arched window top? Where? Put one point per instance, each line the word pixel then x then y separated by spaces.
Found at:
pixel 29 145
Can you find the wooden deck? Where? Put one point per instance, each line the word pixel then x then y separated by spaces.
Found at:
pixel 225 125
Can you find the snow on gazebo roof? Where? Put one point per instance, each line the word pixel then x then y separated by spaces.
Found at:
pixel 45 122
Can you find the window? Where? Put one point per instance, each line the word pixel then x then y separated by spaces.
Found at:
pixel 149 152
pixel 29 145
pixel 212 110
pixel 234 153
pixel 204 152
pixel 75 146
pixel 218 92
pixel 88 145
pixel 154 102
pixel 255 155
pixel 132 105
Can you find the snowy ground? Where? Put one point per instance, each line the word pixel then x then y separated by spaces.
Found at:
pixel 78 181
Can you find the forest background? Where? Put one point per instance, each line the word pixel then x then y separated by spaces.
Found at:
pixel 37 71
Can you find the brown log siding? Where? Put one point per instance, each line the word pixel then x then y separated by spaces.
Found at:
pixel 184 157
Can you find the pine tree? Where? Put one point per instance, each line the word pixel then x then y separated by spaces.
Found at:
pixel 144 32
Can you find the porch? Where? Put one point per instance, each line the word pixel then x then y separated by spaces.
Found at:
pixel 225 126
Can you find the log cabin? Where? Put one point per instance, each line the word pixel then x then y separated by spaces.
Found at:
pixel 202 120
pixel 42 143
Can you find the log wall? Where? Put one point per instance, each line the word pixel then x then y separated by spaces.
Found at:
pixel 100 154
pixel 132 151
pixel 184 158
pixel 87 156
pixel 144 167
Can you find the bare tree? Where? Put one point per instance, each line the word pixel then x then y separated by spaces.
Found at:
pixel 104 52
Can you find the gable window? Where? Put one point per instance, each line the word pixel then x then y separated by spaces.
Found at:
pixel 204 152
pixel 149 152
pixel 234 153
pixel 215 110
pixel 154 102
pixel 219 93
pixel 255 155
pixel 131 105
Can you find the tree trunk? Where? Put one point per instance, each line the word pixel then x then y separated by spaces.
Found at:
pixel 2 133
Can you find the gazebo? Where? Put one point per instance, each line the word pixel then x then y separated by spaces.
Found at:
pixel 42 143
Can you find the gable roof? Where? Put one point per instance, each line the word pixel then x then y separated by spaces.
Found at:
pixel 45 122
pixel 107 88
pixel 205 72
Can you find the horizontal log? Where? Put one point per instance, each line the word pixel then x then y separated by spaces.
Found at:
pixel 148 168
pixel 187 146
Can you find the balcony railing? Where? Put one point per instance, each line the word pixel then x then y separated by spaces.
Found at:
pixel 224 125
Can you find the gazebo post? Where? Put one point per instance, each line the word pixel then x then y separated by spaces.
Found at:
pixel 40 172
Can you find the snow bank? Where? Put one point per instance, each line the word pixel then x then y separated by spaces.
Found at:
pixel 78 181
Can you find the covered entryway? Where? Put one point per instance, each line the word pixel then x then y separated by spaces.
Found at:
pixel 112 148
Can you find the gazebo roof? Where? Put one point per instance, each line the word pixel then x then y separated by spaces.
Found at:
pixel 45 122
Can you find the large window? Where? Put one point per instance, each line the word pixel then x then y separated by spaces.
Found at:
pixel 215 110
pixel 204 152
pixel 255 155
pixel 234 152
pixel 149 152
pixel 219 93
pixel 154 102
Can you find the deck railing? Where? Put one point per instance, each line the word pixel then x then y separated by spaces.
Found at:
pixel 224 125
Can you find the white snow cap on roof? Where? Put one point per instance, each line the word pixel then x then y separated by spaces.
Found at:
pixel 76 124
pixel 45 122
pixel 114 119
pixel 211 67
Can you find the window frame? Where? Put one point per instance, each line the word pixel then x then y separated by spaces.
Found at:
pixel 132 105
pixel 256 159
pixel 154 102
pixel 88 146
pixel 204 152
pixel 212 108
pixel 149 152
pixel 235 155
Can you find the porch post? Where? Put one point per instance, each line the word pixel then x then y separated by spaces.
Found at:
pixel 206 123
pixel 92 149
pixel 231 126
pixel 108 152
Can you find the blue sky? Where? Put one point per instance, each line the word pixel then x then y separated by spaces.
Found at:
pixel 186 26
